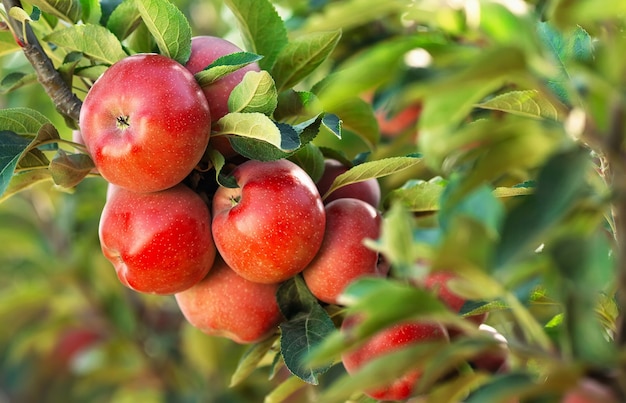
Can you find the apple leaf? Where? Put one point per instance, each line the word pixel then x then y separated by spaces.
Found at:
pixel 419 195
pixel 251 359
pixel 23 121
pixel 8 44
pixel 262 150
pixel 218 162
pixel 358 116
pixel 260 127
pixel 528 103
pixel 22 180
pixel 296 104
pixel 302 56
pixel 558 184
pixel 124 19
pixel 94 41
pixel 372 169
pixel 225 65
pixel 92 11
pixel 255 93
pixel 310 158
pixel 502 387
pixel 68 170
pixel 307 325
pixel 284 390
pixel 169 27
pixel 12 147
pixel 68 10
pixel 263 30
pixel 16 80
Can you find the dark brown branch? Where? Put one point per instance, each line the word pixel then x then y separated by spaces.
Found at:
pixel 66 102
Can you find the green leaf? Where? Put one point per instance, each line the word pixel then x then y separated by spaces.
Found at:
pixel 419 195
pixel 218 162
pixel 502 387
pixel 124 19
pixel 68 10
pixel 352 13
pixel 94 41
pixel 480 205
pixel 307 325
pixel 528 103
pixel 23 121
pixel 256 93
pixel 250 360
pixel 16 80
pixel 23 180
pixel 8 45
pixel 264 151
pixel 283 391
pixel 68 170
pixel 565 48
pixel 299 335
pixel 12 146
pixel 372 169
pixel 225 65
pixel 558 185
pixel 310 158
pixel 169 27
pixel 358 116
pixel 259 127
pixel 263 30
pixel 302 56
pixel 92 12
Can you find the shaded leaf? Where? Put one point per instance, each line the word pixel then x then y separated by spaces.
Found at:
pixel 23 180
pixel 299 335
pixel 310 158
pixel 262 28
pixel 218 161
pixel 16 80
pixel 23 121
pixel 169 27
pixel 12 146
pixel 68 170
pixel 250 360
pixel 302 56
pixel 94 41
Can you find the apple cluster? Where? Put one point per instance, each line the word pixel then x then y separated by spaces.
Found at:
pixel 223 252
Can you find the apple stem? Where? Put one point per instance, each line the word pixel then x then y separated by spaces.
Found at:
pixel 65 101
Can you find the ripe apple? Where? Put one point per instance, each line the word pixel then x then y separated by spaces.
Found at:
pixel 204 51
pixel 495 359
pixel 72 343
pixel 437 281
pixel 394 125
pixel 398 336
pixel 589 391
pixel 158 242
pixel 271 226
pixel 368 190
pixel 146 123
pixel 343 257
pixel 227 305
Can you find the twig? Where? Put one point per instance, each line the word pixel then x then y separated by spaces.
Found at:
pixel 66 102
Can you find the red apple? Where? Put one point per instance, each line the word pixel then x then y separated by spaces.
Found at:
pixel 494 359
pixel 204 51
pixel 401 335
pixel 343 257
pixel 368 190
pixel 392 125
pixel 589 391
pixel 437 281
pixel 227 305
pixel 72 343
pixel 271 226
pixel 146 123
pixel 159 242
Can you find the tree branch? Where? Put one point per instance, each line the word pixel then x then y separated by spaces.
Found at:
pixel 66 102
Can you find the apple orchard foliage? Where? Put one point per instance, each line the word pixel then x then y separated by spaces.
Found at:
pixel 488 136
